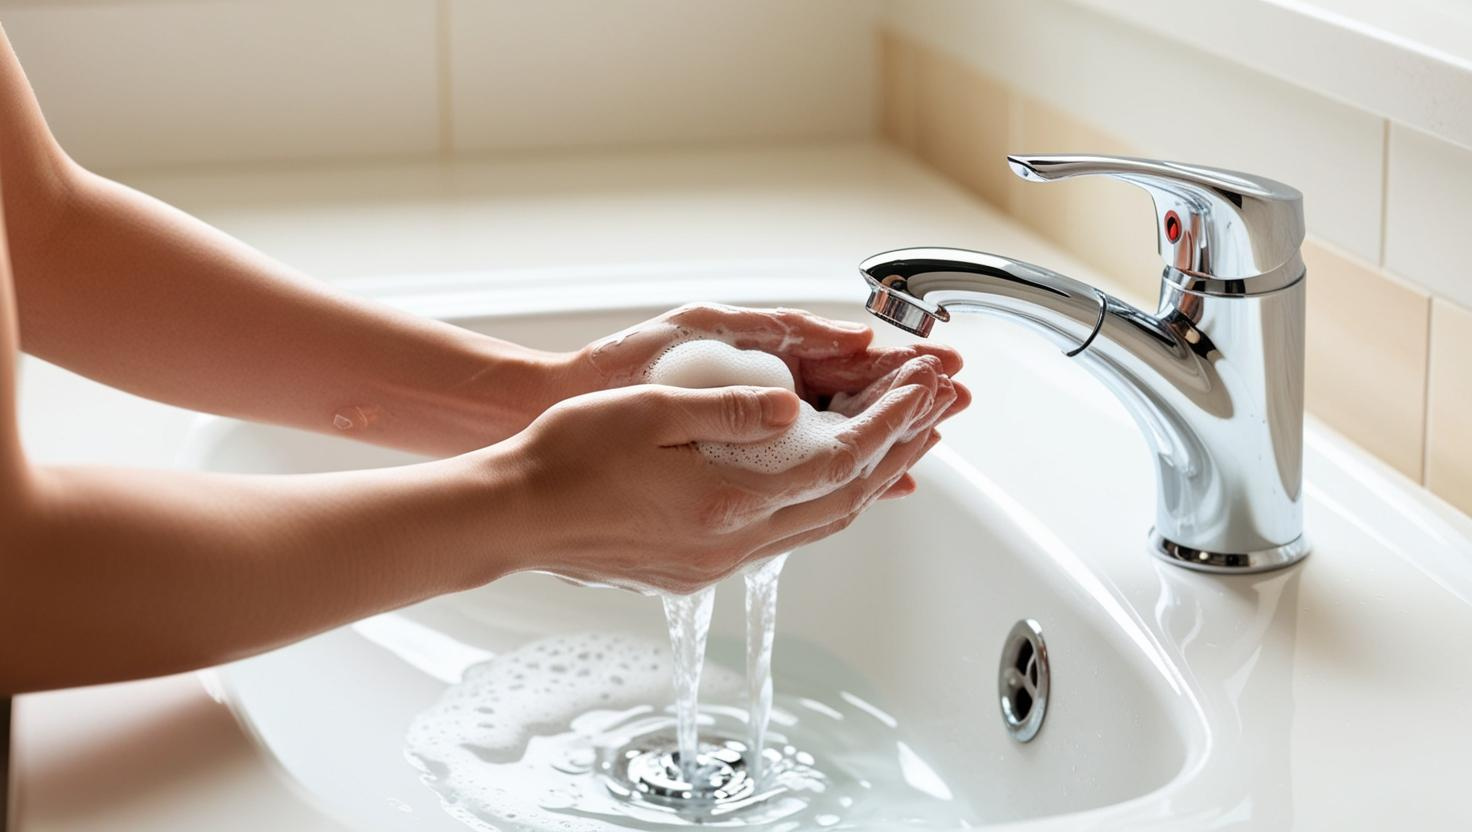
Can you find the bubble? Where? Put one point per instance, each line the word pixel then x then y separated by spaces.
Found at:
pixel 708 363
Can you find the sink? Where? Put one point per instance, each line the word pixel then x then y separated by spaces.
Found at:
pixel 1178 700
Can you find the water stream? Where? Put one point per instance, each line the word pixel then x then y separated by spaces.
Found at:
pixel 688 619
pixel 761 631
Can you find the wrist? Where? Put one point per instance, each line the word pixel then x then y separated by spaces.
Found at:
pixel 503 387
pixel 497 512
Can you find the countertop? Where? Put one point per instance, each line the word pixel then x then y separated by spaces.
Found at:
pixel 162 754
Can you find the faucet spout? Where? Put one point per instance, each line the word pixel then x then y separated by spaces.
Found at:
pixel 1213 382
pixel 912 289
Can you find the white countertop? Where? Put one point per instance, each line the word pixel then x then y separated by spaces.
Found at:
pixel 162 754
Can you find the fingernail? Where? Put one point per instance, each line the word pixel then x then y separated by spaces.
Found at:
pixel 851 326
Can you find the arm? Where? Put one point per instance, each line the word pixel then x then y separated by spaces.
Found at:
pixel 124 289
pixel 108 575
pixel 112 574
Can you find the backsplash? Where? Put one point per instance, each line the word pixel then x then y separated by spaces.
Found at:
pixel 130 84
pixel 1389 343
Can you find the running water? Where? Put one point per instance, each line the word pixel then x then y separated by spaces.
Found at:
pixel 562 733
pixel 761 629
pixel 688 618
pixel 570 734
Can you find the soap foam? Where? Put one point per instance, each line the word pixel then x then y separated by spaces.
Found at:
pixel 486 745
pixel 708 363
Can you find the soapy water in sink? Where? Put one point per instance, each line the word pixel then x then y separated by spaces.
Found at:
pixel 573 733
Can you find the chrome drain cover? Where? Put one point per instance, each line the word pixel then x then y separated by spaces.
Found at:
pixel 1023 680
pixel 722 777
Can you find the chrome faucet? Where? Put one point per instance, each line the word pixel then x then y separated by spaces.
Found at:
pixel 1214 378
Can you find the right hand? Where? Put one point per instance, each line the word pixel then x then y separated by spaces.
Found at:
pixel 613 489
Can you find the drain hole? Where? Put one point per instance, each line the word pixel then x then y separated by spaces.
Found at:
pixel 1021 704
pixel 1024 656
pixel 1023 679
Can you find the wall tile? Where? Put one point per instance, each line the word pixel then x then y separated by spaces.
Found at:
pixel 564 73
pixel 898 68
pixel 1449 421
pixel 1108 224
pixel 153 83
pixel 963 124
pixel 1428 212
pixel 1366 355
pixel 1167 100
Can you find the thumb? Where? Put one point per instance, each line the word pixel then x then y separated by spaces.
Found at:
pixel 723 414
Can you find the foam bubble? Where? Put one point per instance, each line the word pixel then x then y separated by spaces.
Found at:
pixel 706 363
pixel 709 363
pixel 512 743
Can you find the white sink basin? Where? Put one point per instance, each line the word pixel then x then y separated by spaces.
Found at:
pixel 1179 700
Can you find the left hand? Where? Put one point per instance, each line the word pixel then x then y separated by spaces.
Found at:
pixel 827 357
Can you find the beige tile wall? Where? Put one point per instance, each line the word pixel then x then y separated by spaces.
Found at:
pixel 573 73
pixel 129 84
pixel 1389 343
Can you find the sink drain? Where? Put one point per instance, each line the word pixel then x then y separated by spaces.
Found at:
pixel 1023 680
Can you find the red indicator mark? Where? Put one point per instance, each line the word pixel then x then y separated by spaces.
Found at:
pixel 1172 226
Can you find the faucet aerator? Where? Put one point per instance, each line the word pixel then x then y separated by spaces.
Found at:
pixel 896 311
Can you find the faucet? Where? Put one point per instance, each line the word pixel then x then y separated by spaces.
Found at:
pixel 1214 378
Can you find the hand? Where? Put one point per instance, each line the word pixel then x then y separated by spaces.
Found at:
pixel 613 489
pixel 950 399
pixel 826 357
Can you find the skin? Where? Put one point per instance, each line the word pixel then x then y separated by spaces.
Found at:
pixel 561 462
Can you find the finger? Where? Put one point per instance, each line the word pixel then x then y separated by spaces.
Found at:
pixel 851 373
pixel 903 487
pixel 740 414
pixel 854 497
pixel 963 400
pixel 945 396
pixel 918 370
pixel 793 542
pixel 789 544
pixel 906 484
pixel 922 370
pixel 860 446
pixel 792 332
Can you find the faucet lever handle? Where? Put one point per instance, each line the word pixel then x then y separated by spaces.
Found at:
pixel 1224 232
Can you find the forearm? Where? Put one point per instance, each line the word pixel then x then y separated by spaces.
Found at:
pixel 121 574
pixel 135 294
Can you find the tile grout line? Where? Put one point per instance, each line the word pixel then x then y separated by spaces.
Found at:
pixel 446 123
